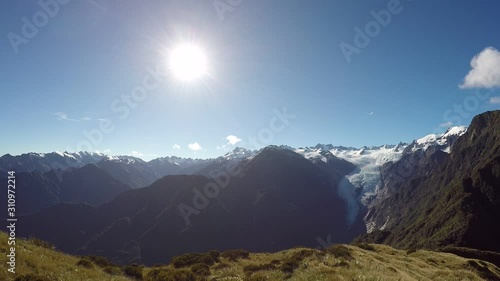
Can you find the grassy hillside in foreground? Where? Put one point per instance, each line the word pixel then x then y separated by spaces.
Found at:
pixel 364 262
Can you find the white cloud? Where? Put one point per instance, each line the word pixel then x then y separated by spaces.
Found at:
pixel 232 139
pixel 485 72
pixel 371 113
pixel 194 146
pixel 140 154
pixel 63 116
pixel 137 153
pixel 495 100
pixel 176 146
pixel 446 124
pixel 107 151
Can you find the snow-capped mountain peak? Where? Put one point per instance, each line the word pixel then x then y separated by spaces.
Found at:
pixel 238 153
pixel 442 141
pixel 455 131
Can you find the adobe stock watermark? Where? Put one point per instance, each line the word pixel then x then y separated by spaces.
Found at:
pixel 221 179
pixel 322 244
pixel 363 37
pixel 466 109
pixel 122 108
pixel 277 124
pixel 224 6
pixel 30 26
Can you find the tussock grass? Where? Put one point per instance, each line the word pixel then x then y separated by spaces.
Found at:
pixel 37 260
pixel 360 262
pixel 341 262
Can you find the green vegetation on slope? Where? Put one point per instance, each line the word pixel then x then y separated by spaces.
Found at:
pixel 447 200
pixel 36 260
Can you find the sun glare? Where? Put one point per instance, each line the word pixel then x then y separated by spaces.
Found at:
pixel 188 62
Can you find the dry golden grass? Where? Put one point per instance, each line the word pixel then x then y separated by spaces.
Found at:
pixel 379 263
pixel 384 263
pixel 52 265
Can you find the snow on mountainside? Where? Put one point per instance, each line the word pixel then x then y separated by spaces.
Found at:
pixel 239 153
pixel 363 183
pixel 367 159
pixel 442 141
pixel 312 153
pixel 370 159
pixel 365 179
pixel 44 162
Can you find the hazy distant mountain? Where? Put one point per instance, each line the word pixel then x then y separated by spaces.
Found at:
pixel 222 163
pixel 134 172
pixel 271 195
pixel 174 165
pixel 44 162
pixel 139 173
pixel 130 170
pixel 88 184
pixel 436 199
pixel 34 192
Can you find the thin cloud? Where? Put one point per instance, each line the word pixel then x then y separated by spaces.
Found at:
pixel 446 124
pixel 495 100
pixel 194 146
pixel 137 153
pixel 371 113
pixel 140 154
pixel 97 5
pixel 232 139
pixel 176 146
pixel 64 117
pixel 485 72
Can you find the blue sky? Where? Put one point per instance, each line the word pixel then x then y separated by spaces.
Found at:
pixel 71 76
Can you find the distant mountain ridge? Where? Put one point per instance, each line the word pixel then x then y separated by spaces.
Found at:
pixel 275 193
pixel 323 190
pixel 90 184
pixel 132 171
pixel 44 162
pixel 358 188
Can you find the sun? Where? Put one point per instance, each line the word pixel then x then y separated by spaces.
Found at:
pixel 188 62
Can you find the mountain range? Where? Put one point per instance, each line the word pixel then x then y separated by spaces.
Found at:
pixel 276 192
pixel 437 191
